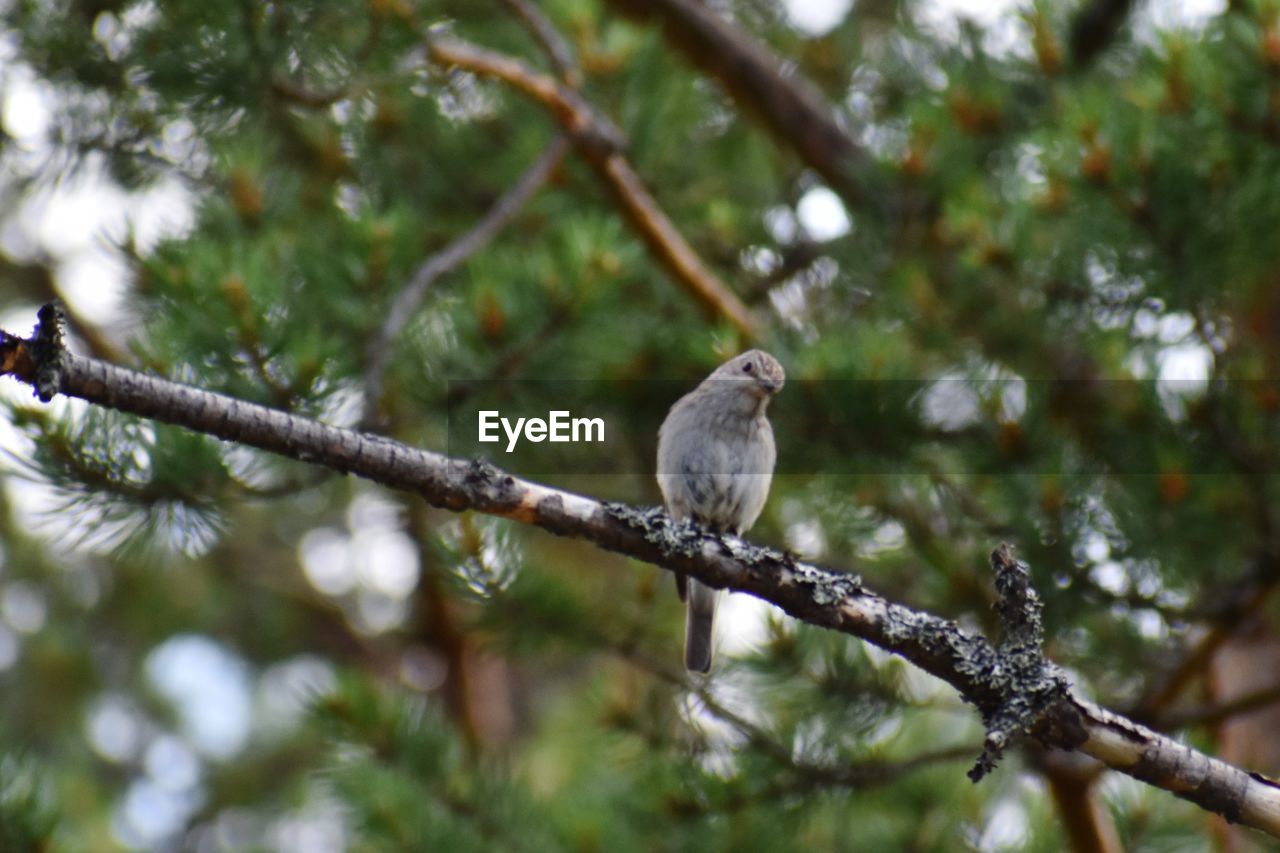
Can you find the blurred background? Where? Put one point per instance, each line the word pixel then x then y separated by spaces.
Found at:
pixel 1054 237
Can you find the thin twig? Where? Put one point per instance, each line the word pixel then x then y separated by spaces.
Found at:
pixel 407 301
pixel 809 775
pixel 792 108
pixel 601 144
pixel 435 624
pixel 298 93
pixel 1073 779
pixel 553 44
pixel 1211 714
pixel 1246 597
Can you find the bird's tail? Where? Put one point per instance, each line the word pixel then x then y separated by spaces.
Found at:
pixel 699 626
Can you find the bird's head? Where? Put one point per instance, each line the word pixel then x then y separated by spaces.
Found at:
pixel 760 371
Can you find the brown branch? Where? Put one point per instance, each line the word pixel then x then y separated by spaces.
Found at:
pixel 1245 598
pixel 1011 685
pixel 600 143
pixel 552 43
pixel 1209 715
pixel 1072 779
pixel 591 131
pixel 378 354
pixel 298 93
pixel 437 626
pixel 1087 823
pixel 792 109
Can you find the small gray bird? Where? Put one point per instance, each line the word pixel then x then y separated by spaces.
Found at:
pixel 715 463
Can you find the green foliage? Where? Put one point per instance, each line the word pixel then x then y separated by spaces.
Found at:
pixel 408 779
pixel 28 815
pixel 125 483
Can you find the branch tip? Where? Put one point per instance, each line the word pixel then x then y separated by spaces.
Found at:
pixel 1024 683
pixel 48 348
pixel 1018 606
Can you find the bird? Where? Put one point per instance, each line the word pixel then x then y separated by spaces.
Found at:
pixel 716 456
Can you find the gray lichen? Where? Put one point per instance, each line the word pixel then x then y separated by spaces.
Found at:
pixel 673 538
pixel 826 587
pixel 1025 682
pixel 47 347
pixel 688 539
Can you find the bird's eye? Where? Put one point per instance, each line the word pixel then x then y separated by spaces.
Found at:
pixel 749 367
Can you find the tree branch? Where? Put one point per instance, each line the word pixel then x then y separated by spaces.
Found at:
pixel 1208 715
pixel 437 626
pixel 553 44
pixel 1072 782
pixel 601 145
pixel 378 354
pixel 792 109
pixel 1243 599
pixel 1012 686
